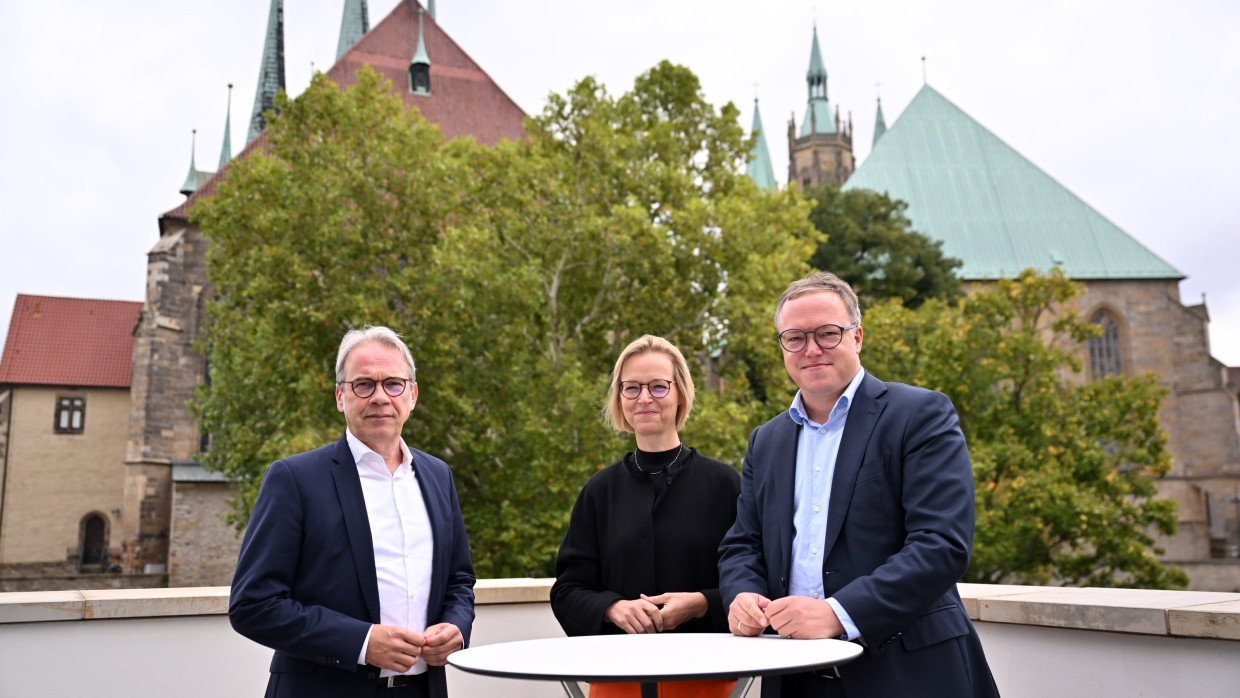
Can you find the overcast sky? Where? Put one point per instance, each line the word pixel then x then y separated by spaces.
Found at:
pixel 1134 105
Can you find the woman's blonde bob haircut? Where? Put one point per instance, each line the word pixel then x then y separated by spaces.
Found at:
pixel 614 413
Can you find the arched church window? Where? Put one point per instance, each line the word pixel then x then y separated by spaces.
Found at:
pixel 1104 350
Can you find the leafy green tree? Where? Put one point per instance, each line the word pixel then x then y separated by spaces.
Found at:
pixel 517 274
pixel 1065 470
pixel 871 244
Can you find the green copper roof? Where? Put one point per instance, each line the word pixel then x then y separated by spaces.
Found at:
pixel 270 70
pixel 880 124
pixel 992 208
pixel 194 178
pixel 419 56
pixel 430 7
pixel 353 26
pixel 226 149
pixel 818 116
pixel 759 167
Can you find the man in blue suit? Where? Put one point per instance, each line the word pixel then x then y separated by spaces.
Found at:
pixel 855 519
pixel 355 567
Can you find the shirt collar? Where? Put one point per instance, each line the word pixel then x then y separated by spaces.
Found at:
pixel 365 457
pixel 800 416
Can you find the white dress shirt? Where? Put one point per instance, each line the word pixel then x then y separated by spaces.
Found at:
pixel 817 447
pixel 400 530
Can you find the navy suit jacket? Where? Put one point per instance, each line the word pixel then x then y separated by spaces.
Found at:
pixel 305 583
pixel 898 538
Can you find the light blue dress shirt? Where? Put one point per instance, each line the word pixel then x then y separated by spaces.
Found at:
pixel 817 447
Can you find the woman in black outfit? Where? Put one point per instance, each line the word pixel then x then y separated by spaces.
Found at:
pixel 641 552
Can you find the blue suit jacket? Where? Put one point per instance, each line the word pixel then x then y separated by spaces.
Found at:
pixel 899 533
pixel 305 583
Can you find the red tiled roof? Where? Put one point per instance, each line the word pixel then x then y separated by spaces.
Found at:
pixel 70 341
pixel 464 100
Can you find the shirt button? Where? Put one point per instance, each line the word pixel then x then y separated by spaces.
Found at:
pixel 815 594
pixel 814 550
pixel 815 510
pixel 817 468
pixel 823 430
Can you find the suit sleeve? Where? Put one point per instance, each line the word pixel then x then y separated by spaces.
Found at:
pixel 930 463
pixel 578 598
pixel 458 601
pixel 261 606
pixel 742 560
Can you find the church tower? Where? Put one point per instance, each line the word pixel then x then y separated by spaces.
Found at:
pixel 270 71
pixel 822 151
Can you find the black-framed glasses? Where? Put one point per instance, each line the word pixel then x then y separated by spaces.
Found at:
pixel 365 387
pixel 826 337
pixel 658 388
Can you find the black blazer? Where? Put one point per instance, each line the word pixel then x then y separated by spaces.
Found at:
pixel 305 583
pixel 899 533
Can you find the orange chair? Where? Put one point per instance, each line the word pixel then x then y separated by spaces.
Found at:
pixel 667 689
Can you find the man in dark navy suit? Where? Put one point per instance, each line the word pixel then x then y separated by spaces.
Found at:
pixel 355 567
pixel 855 519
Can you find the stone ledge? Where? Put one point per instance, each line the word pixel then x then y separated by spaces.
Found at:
pixel 1207 615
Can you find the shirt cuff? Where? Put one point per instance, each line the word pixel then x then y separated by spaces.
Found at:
pixel 850 630
pixel 361 658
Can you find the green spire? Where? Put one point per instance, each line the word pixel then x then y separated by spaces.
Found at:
pixel 270 70
pixel 226 150
pixel 194 178
pixel 818 116
pixel 880 124
pixel 759 166
pixel 420 66
pixel 430 7
pixel 353 26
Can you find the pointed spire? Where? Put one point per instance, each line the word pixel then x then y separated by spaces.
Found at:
pixel 270 70
pixel 430 7
pixel 818 116
pixel 192 178
pixel 420 66
pixel 353 26
pixel 226 149
pixel 880 124
pixel 759 167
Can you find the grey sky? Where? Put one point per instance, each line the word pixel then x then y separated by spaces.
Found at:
pixel 1133 105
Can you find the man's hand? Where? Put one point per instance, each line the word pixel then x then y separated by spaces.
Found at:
pixel 678 607
pixel 393 647
pixel 634 617
pixel 746 614
pixel 803 618
pixel 441 640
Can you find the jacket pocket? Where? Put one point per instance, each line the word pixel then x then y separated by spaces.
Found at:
pixel 934 626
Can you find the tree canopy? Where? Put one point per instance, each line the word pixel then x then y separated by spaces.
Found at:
pixel 870 242
pixel 1065 469
pixel 516 273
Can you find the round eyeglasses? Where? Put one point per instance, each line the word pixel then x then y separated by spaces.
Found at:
pixel 658 388
pixel 826 337
pixel 365 387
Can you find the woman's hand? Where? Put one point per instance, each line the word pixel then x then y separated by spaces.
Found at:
pixel 677 607
pixel 633 617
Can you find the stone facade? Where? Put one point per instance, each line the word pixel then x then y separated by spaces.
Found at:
pixel 166 371
pixel 820 158
pixel 52 488
pixel 203 547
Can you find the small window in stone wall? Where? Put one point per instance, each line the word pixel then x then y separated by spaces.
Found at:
pixel 70 415
pixel 1104 351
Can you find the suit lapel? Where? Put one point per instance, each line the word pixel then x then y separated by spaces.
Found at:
pixel 431 497
pixel 863 414
pixel 356 524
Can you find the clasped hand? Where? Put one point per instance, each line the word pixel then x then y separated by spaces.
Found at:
pixel 396 648
pixel 797 617
pixel 654 614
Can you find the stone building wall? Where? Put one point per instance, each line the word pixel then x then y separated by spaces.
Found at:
pixel 55 480
pixel 203 547
pixel 166 372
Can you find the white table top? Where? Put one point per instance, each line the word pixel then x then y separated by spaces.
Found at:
pixel 667 656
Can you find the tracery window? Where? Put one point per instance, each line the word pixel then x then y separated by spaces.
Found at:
pixel 1104 350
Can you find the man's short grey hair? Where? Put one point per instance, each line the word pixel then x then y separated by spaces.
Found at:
pixel 822 282
pixel 372 333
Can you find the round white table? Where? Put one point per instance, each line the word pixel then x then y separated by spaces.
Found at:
pixel 652 658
